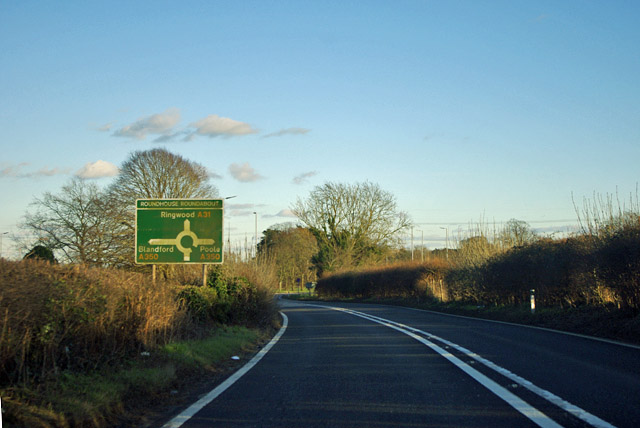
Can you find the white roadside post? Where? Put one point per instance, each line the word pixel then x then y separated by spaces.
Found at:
pixel 533 301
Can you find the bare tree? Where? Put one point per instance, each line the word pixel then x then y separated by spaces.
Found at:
pixel 290 248
pixel 604 216
pixel 75 224
pixel 160 174
pixel 516 233
pixel 86 225
pixel 352 223
pixel 154 174
pixel 474 251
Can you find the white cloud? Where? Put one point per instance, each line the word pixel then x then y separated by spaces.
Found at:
pixel 163 126
pixel 8 170
pixel 50 172
pixel 282 213
pixel 302 178
pixel 213 175
pixel 242 210
pixel 157 124
pixel 241 207
pixel 286 213
pixel 165 138
pixel 16 171
pixel 288 131
pixel 169 137
pixel 244 173
pixel 97 169
pixel 106 127
pixel 215 126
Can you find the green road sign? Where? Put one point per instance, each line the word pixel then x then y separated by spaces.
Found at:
pixel 179 231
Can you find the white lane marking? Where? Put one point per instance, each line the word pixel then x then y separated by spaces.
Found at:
pixel 535 327
pixel 198 405
pixel 547 395
pixel 533 414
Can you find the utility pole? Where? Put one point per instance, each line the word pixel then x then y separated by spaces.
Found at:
pixel 256 236
pixel 446 229
pixel 411 243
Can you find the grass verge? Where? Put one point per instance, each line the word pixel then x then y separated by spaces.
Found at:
pixel 121 395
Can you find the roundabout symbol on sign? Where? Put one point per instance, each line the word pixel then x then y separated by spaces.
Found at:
pixel 177 241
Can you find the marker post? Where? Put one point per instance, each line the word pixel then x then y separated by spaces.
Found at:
pixel 533 301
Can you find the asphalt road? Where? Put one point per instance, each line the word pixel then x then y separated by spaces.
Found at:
pixel 380 366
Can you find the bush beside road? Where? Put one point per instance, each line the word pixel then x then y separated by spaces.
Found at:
pixel 80 346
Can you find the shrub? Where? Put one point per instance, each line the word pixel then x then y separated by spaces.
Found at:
pixel 62 320
pixel 58 317
pixel 571 272
pixel 198 301
pixel 42 253
pixel 228 300
pixel 400 280
pixel 618 266
pixel 555 269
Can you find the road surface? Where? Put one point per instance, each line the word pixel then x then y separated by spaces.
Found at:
pixel 359 365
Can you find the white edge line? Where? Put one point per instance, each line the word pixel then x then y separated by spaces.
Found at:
pixel 214 393
pixel 549 396
pixel 513 400
pixel 552 330
pixel 568 333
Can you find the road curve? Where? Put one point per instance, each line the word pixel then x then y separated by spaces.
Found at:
pixel 358 365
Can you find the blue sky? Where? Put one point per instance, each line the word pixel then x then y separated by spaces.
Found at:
pixel 462 109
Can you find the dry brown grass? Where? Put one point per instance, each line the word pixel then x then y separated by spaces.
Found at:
pixel 60 322
pixel 262 272
pixel 57 317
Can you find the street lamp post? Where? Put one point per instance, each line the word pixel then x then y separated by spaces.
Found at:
pixel 229 229
pixel 412 243
pixel 1 235
pixel 256 235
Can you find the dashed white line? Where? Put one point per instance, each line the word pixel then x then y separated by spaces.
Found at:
pixel 521 406
pixel 533 414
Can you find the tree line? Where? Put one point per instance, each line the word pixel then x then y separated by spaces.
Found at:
pixel 341 226
pixel 95 227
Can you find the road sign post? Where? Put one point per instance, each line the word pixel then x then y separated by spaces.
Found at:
pixel 179 231
pixel 310 286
